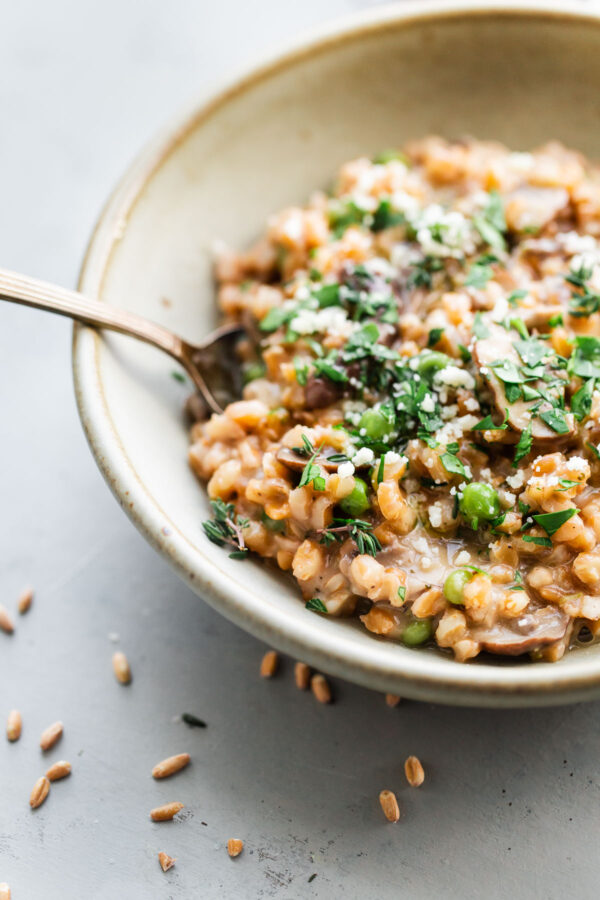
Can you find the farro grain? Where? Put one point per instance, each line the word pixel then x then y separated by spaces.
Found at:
pixel 58 770
pixel 166 862
pixel 321 688
pixel 166 812
pixel 171 765
pixel 25 600
pixel 302 676
pixel 14 724
pixel 4 891
pixel 392 699
pixel 39 792
pixel 389 805
pixel 234 847
pixel 269 664
pixel 51 735
pixel 414 772
pixel 6 623
pixel 121 667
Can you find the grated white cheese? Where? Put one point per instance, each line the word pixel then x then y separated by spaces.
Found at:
pixel 345 469
pixel 428 403
pixel 363 457
pixel 517 480
pixel 435 514
pixel 462 558
pixel 331 320
pixel 453 376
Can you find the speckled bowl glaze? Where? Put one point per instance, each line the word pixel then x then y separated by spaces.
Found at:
pixel 520 72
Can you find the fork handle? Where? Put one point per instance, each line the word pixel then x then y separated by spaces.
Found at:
pixel 52 298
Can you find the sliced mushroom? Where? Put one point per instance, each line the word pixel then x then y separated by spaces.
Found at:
pixel 512 637
pixel 296 463
pixel 320 392
pixel 499 346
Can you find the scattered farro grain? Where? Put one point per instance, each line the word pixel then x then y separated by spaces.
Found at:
pixel 58 770
pixel 14 724
pixel 414 771
pixel 392 699
pixel 166 862
pixel 171 765
pixel 302 676
pixel 320 688
pixel 121 667
pixel 165 813
pixel 6 623
pixel 4 891
pixel 25 600
pixel 39 792
pixel 51 735
pixel 269 664
pixel 234 847
pixel 389 805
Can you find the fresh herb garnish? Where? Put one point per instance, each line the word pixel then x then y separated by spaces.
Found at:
pixel 178 377
pixel 480 329
pixel 316 605
pixel 487 424
pixel 402 593
pixel 584 302
pixel 540 541
pixel 225 529
pixel 551 522
pixel 556 420
pixel 358 530
pixel 435 335
pixel 523 446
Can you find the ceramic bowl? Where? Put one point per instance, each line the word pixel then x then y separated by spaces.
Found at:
pixel 520 72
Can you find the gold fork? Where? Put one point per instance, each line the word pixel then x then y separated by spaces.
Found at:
pixel 212 365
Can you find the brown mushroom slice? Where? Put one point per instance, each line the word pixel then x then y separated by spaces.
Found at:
pixel 296 463
pixel 499 346
pixel 320 392
pixel 532 630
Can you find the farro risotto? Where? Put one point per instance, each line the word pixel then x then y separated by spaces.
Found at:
pixel 418 440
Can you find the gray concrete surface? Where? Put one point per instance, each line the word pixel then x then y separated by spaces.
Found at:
pixel 510 804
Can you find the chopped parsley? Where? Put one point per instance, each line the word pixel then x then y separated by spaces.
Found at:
pixel 523 446
pixel 551 522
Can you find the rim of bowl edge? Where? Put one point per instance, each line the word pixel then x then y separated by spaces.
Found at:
pixel 417 674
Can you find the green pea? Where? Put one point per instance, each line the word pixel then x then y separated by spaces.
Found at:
pixel 356 502
pixel 479 502
pixel 454 585
pixel 432 361
pixel 417 632
pixel 375 424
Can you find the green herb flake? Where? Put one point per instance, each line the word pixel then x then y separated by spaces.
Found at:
pixel 480 329
pixel 523 446
pixel 556 420
pixel 551 522
pixel 179 377
pixel 316 605
pixel 402 593
pixel 435 336
pixel 487 424
pixel 540 541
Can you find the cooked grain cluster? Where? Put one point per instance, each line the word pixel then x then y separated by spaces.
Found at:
pixel 418 442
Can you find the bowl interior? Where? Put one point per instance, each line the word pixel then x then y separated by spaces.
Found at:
pixel 520 77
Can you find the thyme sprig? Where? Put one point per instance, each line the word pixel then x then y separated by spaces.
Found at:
pixel 225 529
pixel 360 531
